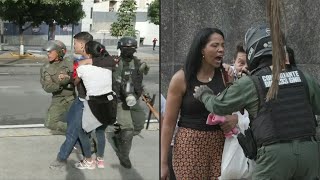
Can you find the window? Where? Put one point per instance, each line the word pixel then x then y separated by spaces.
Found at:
pixel 91 13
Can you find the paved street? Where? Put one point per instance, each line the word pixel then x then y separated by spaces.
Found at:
pixel 27 152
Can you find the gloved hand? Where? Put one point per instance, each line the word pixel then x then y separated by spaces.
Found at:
pixel 144 68
pixel 200 90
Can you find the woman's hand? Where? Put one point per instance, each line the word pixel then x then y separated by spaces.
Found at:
pixel 230 123
pixel 164 171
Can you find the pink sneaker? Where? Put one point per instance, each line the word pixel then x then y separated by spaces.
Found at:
pixel 100 162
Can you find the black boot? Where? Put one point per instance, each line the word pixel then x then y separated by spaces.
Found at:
pixel 121 143
pixel 124 147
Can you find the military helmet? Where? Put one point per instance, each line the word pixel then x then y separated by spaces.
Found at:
pixel 127 42
pixel 59 46
pixel 257 43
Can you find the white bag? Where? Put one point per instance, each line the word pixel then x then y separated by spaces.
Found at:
pixel 234 164
pixel 89 121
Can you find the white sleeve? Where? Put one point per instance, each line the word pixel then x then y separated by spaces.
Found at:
pixel 80 71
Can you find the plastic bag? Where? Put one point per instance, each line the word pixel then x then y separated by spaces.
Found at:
pixel 234 163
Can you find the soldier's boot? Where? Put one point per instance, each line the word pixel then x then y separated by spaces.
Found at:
pixel 124 143
pixel 121 143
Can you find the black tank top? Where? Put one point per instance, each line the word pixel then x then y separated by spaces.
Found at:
pixel 193 113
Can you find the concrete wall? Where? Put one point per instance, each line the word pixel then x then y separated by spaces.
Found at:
pixel 181 19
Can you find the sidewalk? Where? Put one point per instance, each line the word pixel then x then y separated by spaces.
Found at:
pixel 27 153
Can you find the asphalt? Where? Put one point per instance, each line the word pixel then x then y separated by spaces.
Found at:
pixel 27 152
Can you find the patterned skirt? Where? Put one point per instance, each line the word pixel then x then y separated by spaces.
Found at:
pixel 197 154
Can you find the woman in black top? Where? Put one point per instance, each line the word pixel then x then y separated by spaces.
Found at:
pixel 198 147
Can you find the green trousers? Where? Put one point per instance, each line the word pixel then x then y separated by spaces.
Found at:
pixel 297 160
pixel 56 116
pixel 131 119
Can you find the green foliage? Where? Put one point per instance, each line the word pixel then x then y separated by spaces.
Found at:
pixel 154 11
pixel 125 21
pixel 37 11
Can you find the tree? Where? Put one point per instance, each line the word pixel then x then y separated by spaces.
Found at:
pixel 153 12
pixel 125 20
pixel 16 12
pixel 28 13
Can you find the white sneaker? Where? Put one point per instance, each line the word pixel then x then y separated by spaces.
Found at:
pixel 85 164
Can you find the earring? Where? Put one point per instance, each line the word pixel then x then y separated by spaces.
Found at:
pixel 202 57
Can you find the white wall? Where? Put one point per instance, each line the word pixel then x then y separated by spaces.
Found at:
pixel 101 7
pixel 86 5
pixel 148 31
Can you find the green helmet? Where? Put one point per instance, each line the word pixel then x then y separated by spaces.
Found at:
pixel 127 42
pixel 59 46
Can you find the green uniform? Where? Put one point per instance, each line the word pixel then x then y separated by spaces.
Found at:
pixel 130 119
pixel 62 92
pixel 136 118
pixel 270 159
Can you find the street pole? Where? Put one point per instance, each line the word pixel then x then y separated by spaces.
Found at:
pixel 72 32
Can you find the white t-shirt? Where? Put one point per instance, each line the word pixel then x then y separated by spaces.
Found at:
pixel 97 80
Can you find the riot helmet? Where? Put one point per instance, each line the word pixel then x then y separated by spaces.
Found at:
pixel 257 43
pixel 127 46
pixel 59 46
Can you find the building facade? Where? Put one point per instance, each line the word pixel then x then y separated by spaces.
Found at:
pixel 99 15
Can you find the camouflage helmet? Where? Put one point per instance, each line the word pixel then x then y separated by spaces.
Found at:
pixel 257 43
pixel 59 46
pixel 127 42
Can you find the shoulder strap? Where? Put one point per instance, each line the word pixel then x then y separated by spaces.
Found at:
pixel 304 82
pixel 260 90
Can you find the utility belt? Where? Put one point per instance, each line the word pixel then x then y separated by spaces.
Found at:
pixel 250 147
pixel 302 139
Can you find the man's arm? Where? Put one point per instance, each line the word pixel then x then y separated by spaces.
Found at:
pixel 314 93
pixel 48 84
pixel 242 94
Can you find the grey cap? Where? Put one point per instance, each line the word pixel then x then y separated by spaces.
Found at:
pixel 257 43
pixel 55 45
pixel 127 42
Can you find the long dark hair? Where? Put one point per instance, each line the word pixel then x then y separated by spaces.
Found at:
pixel 96 49
pixel 193 61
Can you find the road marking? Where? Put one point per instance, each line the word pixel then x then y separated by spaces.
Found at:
pixel 21 126
pixel 42 125
pixel 4 73
pixel 7 87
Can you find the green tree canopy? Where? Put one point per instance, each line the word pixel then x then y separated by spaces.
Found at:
pixel 125 20
pixel 154 11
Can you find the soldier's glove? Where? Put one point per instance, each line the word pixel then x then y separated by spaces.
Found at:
pixel 144 68
pixel 200 90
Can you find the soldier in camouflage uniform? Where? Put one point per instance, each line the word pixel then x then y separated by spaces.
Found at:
pixel 130 115
pixel 55 79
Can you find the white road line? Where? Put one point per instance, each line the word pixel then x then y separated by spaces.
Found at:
pixel 7 87
pixel 21 126
pixel 4 73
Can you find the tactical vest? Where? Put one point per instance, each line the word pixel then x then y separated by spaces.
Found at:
pixel 287 117
pixel 130 72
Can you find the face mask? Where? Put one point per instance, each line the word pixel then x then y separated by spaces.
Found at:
pixel 128 52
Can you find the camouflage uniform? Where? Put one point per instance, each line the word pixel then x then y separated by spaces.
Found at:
pixel 62 91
